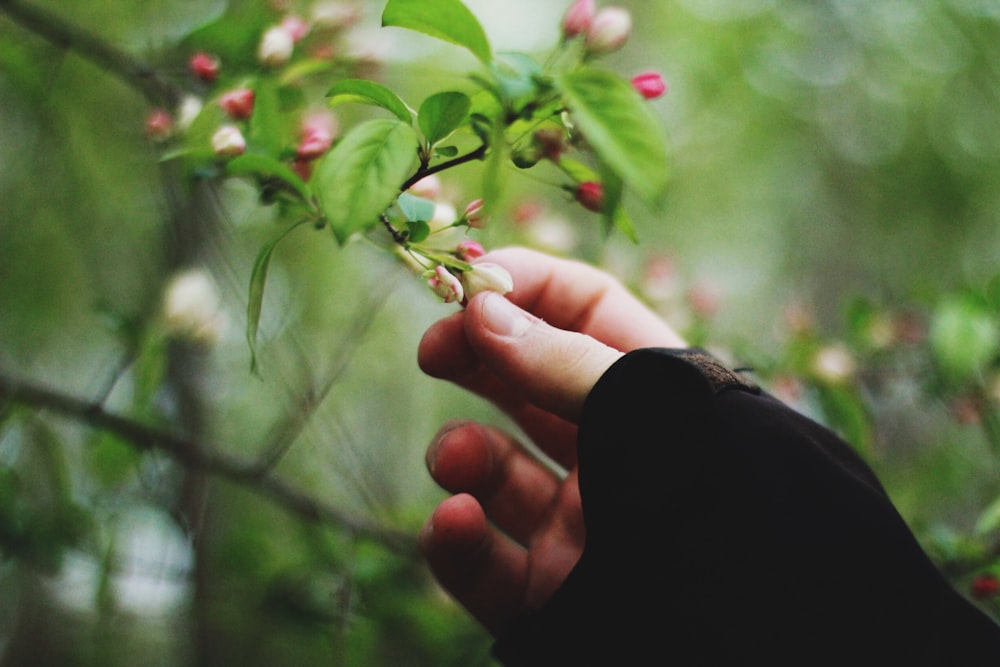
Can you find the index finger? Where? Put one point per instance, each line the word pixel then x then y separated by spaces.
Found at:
pixel 575 296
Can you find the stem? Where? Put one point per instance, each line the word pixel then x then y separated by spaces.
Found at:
pixel 477 154
pixel 134 72
pixel 194 454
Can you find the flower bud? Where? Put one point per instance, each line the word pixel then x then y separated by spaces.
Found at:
pixel 590 194
pixel 192 307
pixel 649 84
pixel 475 214
pixel 984 587
pixel 487 277
pixel 187 111
pixel 204 66
pixel 318 132
pixel 469 250
pixel 550 143
pixel 445 284
pixel 275 47
pixel 159 125
pixel 303 168
pixel 609 30
pixel 238 104
pixel 228 141
pixel 578 17
pixel 296 27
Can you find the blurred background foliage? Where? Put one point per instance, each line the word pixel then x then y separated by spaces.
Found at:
pixel 832 221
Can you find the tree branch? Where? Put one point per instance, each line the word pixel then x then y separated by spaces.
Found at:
pixel 134 72
pixel 191 454
pixel 477 154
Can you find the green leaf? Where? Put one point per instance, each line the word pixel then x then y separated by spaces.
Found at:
pixel 442 114
pixel 267 129
pixel 449 20
pixel 418 231
pixel 416 208
pixel 620 126
pixel 264 167
pixel 614 214
pixel 360 177
pixel 255 299
pixel 369 92
pixel 517 77
pixel 964 337
pixel 446 151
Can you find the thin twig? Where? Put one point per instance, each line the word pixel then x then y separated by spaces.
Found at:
pixel 192 454
pixel 53 28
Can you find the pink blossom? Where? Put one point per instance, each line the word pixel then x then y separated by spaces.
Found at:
pixel 159 125
pixel 590 194
pixel 445 284
pixel 609 30
pixel 296 27
pixel 469 250
pixel 228 141
pixel 238 103
pixel 578 17
pixel 649 84
pixel 204 66
pixel 319 129
pixel 474 214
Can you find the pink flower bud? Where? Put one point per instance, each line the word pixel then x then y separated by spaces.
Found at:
pixel 487 277
pixel 649 84
pixel 159 125
pixel 445 284
pixel 590 194
pixel 984 587
pixel 228 141
pixel 303 168
pixel 550 143
pixel 318 132
pixel 296 27
pixel 474 214
pixel 238 104
pixel 469 250
pixel 578 18
pixel 609 30
pixel 276 46
pixel 204 66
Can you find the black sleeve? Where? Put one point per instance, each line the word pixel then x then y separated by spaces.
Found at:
pixel 724 528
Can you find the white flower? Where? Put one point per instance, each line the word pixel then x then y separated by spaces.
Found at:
pixel 187 111
pixel 192 308
pixel 276 46
pixel 834 364
pixel 609 30
pixel 228 141
pixel 487 276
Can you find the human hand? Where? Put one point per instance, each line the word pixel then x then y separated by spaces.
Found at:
pixel 514 529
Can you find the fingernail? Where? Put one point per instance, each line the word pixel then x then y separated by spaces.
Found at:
pixel 504 318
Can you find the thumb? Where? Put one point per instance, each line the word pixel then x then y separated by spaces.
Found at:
pixel 555 369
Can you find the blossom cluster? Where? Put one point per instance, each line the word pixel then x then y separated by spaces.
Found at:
pixel 318 129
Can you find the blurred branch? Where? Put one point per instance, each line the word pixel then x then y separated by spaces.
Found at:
pixel 192 454
pixel 136 73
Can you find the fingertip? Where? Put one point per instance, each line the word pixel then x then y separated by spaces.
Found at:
pixel 459 457
pixel 455 529
pixel 443 351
